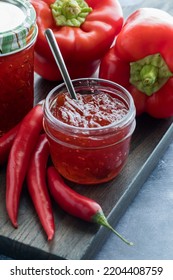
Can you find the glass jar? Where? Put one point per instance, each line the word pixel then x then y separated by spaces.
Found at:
pixel 18 32
pixel 89 155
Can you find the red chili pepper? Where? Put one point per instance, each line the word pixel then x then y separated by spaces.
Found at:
pixel 6 142
pixel 37 187
pixel 76 204
pixel 19 157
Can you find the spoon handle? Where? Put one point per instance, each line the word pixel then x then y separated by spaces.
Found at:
pixel 60 62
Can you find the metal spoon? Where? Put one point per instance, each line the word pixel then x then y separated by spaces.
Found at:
pixel 60 62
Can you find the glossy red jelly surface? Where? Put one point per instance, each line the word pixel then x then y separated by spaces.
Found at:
pixel 89 111
pixel 86 146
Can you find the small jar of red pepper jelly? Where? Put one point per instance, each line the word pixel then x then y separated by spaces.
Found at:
pixel 18 32
pixel 89 137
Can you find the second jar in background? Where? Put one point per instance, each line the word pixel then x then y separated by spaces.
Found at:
pixel 18 33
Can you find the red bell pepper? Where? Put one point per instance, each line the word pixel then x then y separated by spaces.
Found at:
pixel 84 31
pixel 141 60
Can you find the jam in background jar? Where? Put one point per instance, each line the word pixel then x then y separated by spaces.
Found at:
pixel 18 32
pixel 90 137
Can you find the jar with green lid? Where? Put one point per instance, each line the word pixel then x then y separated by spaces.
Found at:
pixel 18 33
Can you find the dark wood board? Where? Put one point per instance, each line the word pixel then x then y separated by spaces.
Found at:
pixel 76 239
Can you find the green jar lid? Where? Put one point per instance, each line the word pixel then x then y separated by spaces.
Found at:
pixel 17 25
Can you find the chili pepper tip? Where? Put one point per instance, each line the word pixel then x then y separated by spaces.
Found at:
pixel 100 219
pixel 15 224
pixel 50 236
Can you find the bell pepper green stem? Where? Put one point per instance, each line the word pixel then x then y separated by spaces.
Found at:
pixel 70 12
pixel 149 74
pixel 100 219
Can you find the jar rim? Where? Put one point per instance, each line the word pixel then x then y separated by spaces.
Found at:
pixel 33 40
pixel 21 35
pixel 119 123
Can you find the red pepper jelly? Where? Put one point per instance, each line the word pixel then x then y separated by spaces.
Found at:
pixel 18 32
pixel 89 137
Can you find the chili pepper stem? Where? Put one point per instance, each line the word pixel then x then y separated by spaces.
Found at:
pixel 100 219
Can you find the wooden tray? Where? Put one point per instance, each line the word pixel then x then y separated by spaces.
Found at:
pixel 75 239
